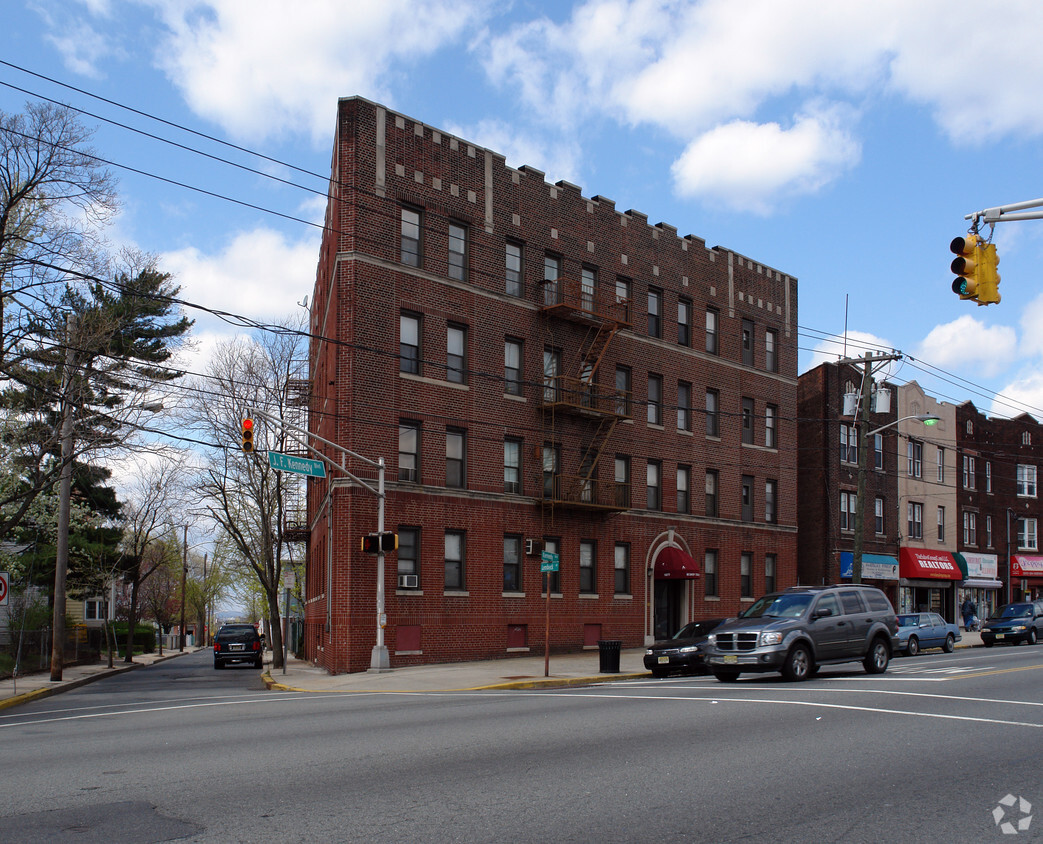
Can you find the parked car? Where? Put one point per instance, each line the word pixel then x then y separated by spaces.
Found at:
pixel 683 651
pixel 796 631
pixel 238 643
pixel 919 630
pixel 1018 622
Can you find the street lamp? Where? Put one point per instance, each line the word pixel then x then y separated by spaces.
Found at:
pixel 860 516
pixel 1010 568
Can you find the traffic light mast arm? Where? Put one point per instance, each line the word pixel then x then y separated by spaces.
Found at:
pixel 1004 213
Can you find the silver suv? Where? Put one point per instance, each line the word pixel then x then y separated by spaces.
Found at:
pixel 796 631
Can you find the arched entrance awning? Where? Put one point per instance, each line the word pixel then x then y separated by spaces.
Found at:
pixel 674 564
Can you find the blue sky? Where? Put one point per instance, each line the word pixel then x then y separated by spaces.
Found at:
pixel 839 142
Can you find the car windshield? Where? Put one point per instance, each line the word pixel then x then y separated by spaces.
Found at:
pixel 908 620
pixel 1014 611
pixel 780 606
pixel 696 628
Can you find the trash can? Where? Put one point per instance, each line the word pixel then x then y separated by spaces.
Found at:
pixel 608 651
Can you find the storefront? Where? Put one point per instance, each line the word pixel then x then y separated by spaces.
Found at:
pixel 877 570
pixel 1026 577
pixel 981 583
pixel 927 582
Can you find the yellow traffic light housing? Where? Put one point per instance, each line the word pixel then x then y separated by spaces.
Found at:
pixel 248 435
pixel 966 266
pixel 988 276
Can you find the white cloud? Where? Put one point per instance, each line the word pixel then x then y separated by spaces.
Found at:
pixel 748 166
pixel 558 158
pixel 266 67
pixel 1031 327
pixel 968 345
pixel 1022 395
pixel 259 274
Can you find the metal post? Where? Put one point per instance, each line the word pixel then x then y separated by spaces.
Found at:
pixel 184 577
pixel 860 501
pixel 379 660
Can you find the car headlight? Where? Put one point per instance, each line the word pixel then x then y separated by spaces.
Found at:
pixel 690 649
pixel 1017 628
pixel 770 638
pixel 649 652
pixel 711 640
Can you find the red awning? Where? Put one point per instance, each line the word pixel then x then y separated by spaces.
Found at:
pixel 923 564
pixel 674 564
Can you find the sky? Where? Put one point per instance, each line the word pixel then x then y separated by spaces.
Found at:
pixel 840 142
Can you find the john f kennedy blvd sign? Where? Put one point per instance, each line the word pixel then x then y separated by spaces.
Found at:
pixel 298 465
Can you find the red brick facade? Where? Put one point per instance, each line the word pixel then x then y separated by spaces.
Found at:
pixel 383 163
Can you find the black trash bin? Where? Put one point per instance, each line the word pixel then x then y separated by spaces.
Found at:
pixel 608 651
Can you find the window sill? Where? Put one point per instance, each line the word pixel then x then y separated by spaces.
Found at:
pixel 512 594
pixel 456 593
pixel 517 650
pixel 419 592
pixel 622 597
pixel 589 596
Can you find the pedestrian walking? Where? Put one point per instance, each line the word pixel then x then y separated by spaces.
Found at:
pixel 969 609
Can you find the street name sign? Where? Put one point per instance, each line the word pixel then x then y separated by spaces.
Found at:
pixel 549 561
pixel 297 465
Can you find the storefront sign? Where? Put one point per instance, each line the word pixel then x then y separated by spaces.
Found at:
pixel 874 566
pixel 924 564
pixel 981 566
pixel 1025 566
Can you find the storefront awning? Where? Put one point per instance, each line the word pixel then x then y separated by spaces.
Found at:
pixel 674 564
pixel 961 563
pixel 975 583
pixel 1026 565
pixel 924 564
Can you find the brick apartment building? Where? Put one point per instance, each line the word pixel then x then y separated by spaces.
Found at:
pixel 539 371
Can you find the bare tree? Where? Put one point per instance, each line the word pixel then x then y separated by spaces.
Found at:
pixel 160 593
pixel 243 494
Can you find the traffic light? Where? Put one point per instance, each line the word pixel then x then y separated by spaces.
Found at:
pixel 988 276
pixel 966 265
pixel 374 543
pixel 248 435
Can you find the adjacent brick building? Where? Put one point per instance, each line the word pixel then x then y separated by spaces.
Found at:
pixel 539 371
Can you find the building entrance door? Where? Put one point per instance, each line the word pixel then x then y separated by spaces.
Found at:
pixel 669 598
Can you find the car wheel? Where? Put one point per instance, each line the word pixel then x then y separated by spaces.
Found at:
pixel 218 664
pixel 659 673
pixel 877 658
pixel 259 663
pixel 913 648
pixel 797 666
pixel 726 676
pixel 950 644
pixel 987 642
pixel 1030 639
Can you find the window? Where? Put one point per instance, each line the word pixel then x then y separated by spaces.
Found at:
pixel 970 528
pixel 988 476
pixel 512 367
pixel 551 274
pixel 848 506
pixel 771 413
pixel 941 524
pixel 457 252
pixel 713 319
pixel 456 354
pixel 653 474
pixel 1027 534
pixel 771 355
pixel 878 451
pixel 655 399
pixel 769 573
pixel 655 312
pixel 409 343
pixel 512 449
pixel 95 609
pixel 455 463
pixel 621 565
pixel 684 478
pixel 988 531
pixel 1026 480
pixel 878 510
pixel 747 421
pixel 587 572
pixel 747 342
pixel 623 390
pixel 513 284
pixel 622 480
pixel 712 500
pixel 684 322
pixel 409 553
pixel 968 472
pixel 710 572
pixel 848 443
pixel 409 451
pixel 623 297
pixel 554 577
pixel 454 559
pixel 914 459
pixel 746 575
pixel 713 415
pixel 512 567
pixel 588 288
pixel 551 370
pixel 747 498
pixel 410 251
pixel 1026 438
pixel 915 518
pixel 550 470
pixel 771 489
pixel 684 406
pixel 941 465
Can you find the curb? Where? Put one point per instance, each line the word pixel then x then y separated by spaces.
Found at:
pixel 537 683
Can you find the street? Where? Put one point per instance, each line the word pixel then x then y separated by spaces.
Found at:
pixel 177 751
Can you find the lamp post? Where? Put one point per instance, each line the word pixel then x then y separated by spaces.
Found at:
pixel 1010 568
pixel 860 516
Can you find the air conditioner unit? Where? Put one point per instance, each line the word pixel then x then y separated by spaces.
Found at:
pixel 408 581
pixel 533 547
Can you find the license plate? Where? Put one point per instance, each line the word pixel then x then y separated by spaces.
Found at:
pixel 238 647
pixel 1000 635
pixel 664 660
pixel 730 659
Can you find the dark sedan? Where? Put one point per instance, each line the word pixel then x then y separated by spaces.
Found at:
pixel 683 650
pixel 236 643
pixel 1020 622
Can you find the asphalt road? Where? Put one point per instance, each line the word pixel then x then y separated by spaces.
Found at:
pixel 178 751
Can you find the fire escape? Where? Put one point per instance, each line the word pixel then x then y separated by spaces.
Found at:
pixel 295 487
pixel 574 309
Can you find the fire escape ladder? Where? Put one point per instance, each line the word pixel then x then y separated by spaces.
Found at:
pixel 596 351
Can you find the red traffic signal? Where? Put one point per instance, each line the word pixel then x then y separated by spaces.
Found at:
pixel 248 435
pixel 374 543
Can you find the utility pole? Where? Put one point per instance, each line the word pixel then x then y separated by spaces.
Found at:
pixel 184 577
